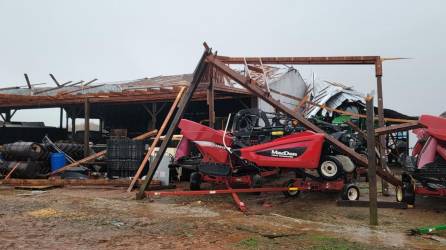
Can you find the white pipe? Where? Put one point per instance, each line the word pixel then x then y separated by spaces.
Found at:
pixel 224 134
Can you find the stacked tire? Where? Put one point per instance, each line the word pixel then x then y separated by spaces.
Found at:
pixel 29 158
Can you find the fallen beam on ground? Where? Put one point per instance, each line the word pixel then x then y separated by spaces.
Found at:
pixel 72 182
pixel 99 154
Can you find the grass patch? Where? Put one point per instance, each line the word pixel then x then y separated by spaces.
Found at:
pixel 249 243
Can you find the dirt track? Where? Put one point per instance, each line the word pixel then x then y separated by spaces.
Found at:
pixel 73 218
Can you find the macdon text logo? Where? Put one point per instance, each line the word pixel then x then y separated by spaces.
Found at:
pixel 287 154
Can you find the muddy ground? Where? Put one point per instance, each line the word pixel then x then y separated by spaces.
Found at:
pixel 76 218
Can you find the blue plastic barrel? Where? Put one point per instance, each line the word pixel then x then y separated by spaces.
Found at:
pixel 57 160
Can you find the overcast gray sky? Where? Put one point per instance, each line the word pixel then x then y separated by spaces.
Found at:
pixel 123 40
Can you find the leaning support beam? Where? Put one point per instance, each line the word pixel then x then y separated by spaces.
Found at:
pixel 156 140
pixel 99 154
pixel 252 86
pixel 396 128
pixel 373 200
pixel 198 75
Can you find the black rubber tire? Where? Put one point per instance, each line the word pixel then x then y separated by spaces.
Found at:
pixel 330 160
pixel 195 181
pixel 350 192
pixel 406 193
pixel 257 182
pixel 290 194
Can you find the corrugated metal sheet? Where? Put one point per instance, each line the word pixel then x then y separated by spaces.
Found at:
pixel 332 95
pixel 290 83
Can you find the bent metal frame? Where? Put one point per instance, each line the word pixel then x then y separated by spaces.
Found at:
pixel 210 60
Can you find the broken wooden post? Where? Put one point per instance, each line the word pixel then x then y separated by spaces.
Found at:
pixel 371 161
pixel 156 140
pixel 86 127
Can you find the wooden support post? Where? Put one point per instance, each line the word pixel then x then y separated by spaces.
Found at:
pixel 61 118
pixel 8 115
pixel 86 127
pixel 66 121
pixel 198 75
pixel 211 100
pixel 382 138
pixel 156 140
pixel 372 162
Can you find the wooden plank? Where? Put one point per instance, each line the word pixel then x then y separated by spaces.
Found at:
pixel 156 140
pixel 373 206
pixel 396 128
pixel 72 182
pixel 12 170
pixel 99 154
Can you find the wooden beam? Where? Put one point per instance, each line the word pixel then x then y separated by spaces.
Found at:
pixel 156 140
pixel 211 100
pixel 12 170
pixel 397 128
pixel 372 162
pixel 301 60
pixel 199 71
pixel 55 80
pixel 71 182
pixel 28 82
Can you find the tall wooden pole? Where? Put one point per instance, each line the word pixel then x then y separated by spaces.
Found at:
pixel 211 101
pixel 372 162
pixel 86 127
pixel 381 123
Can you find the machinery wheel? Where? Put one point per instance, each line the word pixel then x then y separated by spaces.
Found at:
pixel 350 192
pixel 330 168
pixel 195 181
pixel 290 193
pixel 257 182
pixel 405 193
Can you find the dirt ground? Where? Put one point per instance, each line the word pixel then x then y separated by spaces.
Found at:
pixel 77 218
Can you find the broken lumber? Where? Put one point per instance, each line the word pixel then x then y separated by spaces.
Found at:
pixel 157 139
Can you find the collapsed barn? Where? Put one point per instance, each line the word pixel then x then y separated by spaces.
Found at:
pixel 141 105
pixel 280 124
